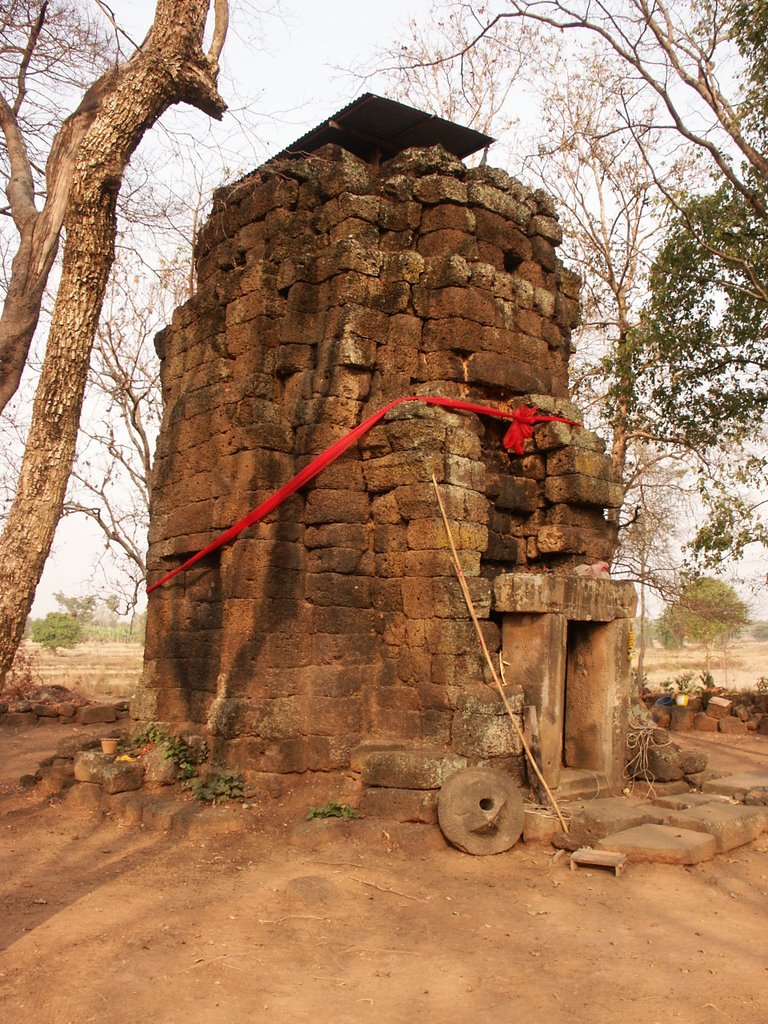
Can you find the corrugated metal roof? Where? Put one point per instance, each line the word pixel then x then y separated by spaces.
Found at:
pixel 372 126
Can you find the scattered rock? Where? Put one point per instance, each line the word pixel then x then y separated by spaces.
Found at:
pixel 732 725
pixel 664 762
pixel 692 762
pixel 719 707
pixel 703 722
pixel 94 713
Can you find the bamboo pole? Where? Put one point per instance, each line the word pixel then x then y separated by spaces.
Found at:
pixel 471 609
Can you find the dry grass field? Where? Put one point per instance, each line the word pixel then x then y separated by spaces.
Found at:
pixel 97 670
pixel 104 670
pixel 745 663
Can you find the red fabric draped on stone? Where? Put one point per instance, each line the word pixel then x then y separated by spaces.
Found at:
pixel 523 421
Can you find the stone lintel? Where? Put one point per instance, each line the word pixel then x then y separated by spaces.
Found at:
pixel 575 597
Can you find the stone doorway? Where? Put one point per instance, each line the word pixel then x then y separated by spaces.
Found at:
pixel 565 642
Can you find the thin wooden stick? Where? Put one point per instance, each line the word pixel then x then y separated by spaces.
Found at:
pixel 471 609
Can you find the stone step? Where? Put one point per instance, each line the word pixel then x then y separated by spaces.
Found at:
pixel 595 819
pixel 660 844
pixel 730 825
pixel 579 784
pixel 737 786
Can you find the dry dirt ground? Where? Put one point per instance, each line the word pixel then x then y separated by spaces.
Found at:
pixel 266 917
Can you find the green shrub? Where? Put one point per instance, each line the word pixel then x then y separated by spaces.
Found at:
pixel 57 629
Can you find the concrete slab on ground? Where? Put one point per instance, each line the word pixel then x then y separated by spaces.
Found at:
pixel 743 782
pixel 730 825
pixel 594 819
pixel 660 844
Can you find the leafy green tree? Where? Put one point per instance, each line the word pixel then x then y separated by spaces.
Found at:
pixel 708 612
pixel 666 632
pixel 57 629
pixel 80 608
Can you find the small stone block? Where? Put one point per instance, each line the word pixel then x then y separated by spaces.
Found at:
pixel 90 765
pixel 93 713
pixel 587 857
pixel 703 722
pixel 418 805
pixel 161 816
pixel 731 725
pixel 122 776
pixel 719 707
pixel 698 779
pixel 127 807
pixel 45 710
pixel 660 844
pixel 410 769
pixel 85 797
pixel 539 826
pixel 681 719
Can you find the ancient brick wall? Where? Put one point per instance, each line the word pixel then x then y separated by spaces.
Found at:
pixel 327 287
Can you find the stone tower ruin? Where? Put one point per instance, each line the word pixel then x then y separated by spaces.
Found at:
pixel 366 264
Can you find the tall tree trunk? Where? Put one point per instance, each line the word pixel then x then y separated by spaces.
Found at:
pixel 169 68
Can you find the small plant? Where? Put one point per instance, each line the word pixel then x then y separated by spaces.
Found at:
pixel 761 686
pixel 217 788
pixel 22 678
pixel 332 809
pixel 185 757
pixel 707 680
pixel 152 734
pixel 683 684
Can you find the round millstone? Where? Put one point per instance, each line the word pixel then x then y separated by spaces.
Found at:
pixel 480 811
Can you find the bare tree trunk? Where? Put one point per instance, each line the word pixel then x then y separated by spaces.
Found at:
pixel 169 68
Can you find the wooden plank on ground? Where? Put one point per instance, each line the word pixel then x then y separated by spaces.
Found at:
pixel 587 857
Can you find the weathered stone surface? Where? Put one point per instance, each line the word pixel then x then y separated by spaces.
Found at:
pixel 539 826
pixel 729 825
pixel 328 288
pixel 18 719
pixel 685 801
pixel 702 722
pixel 731 725
pixel 692 762
pixel 680 719
pixel 583 490
pixel 45 710
pixel 418 805
pixel 664 762
pixel 660 844
pixel 480 811
pixel 410 769
pixel 159 769
pixel 741 782
pixel 93 713
pixel 575 597
pixel 596 819
pixel 85 797
pixel 89 766
pixel 719 707
pixel 122 776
